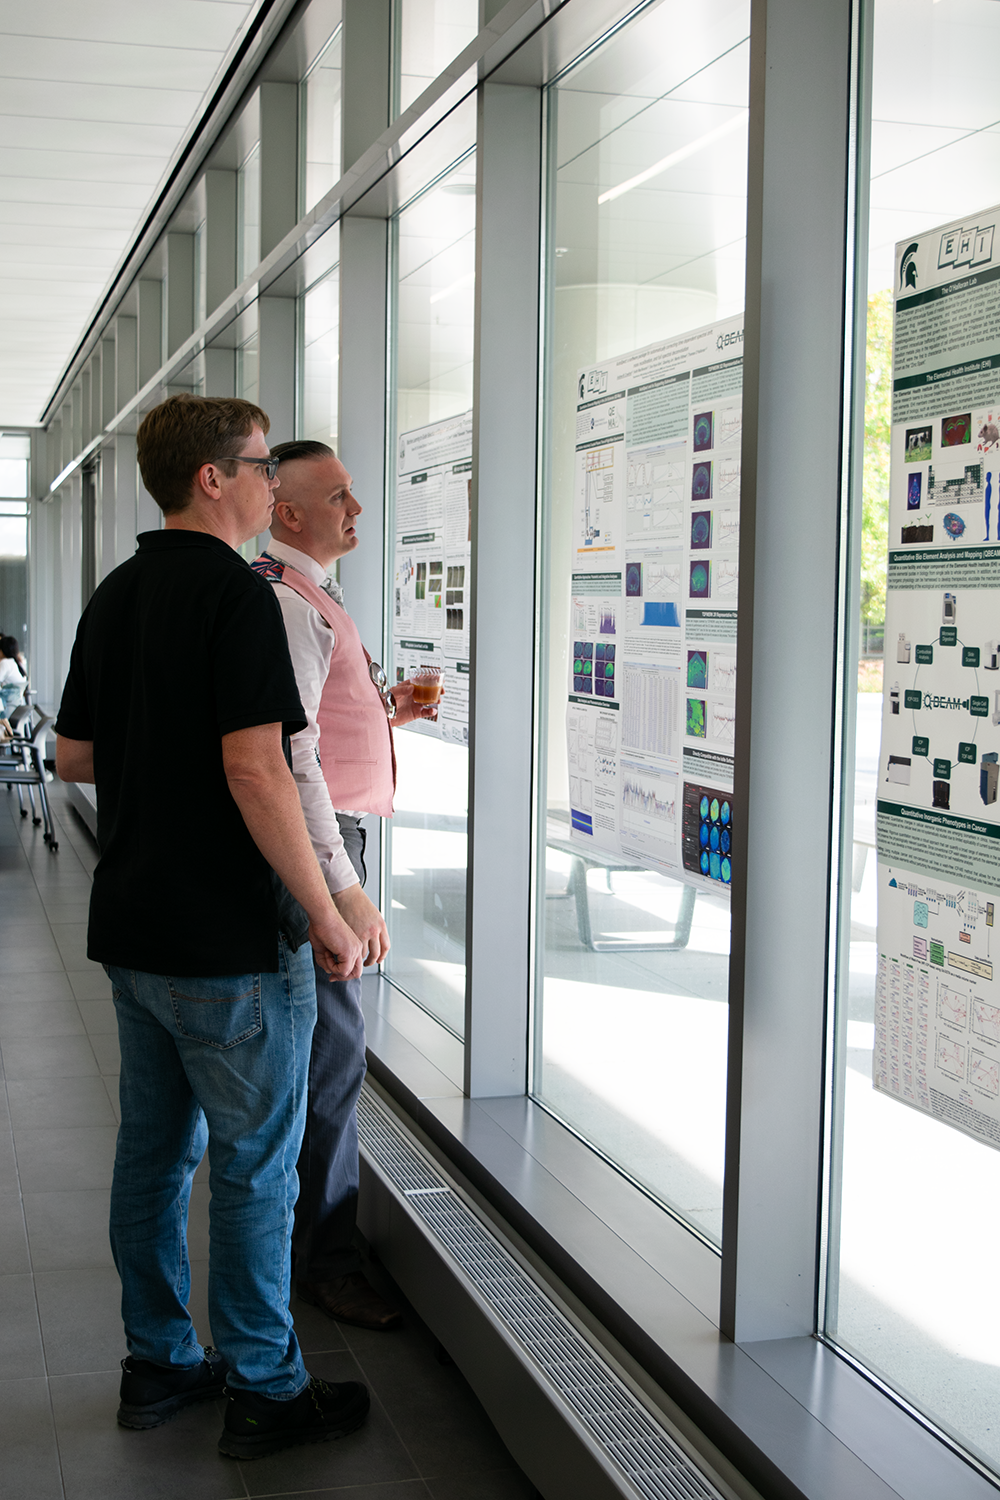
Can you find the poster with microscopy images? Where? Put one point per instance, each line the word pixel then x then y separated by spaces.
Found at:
pixel 651 691
pixel 937 1006
pixel 431 572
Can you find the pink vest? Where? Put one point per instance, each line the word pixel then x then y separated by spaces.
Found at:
pixel 355 737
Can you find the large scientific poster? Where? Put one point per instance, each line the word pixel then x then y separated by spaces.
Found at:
pixel 937 1008
pixel 655 574
pixel 432 573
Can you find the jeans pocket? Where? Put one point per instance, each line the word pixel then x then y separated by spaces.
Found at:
pixel 221 1011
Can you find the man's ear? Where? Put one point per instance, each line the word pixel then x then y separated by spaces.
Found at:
pixel 206 482
pixel 286 513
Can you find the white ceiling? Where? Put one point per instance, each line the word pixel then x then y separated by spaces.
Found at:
pixel 95 97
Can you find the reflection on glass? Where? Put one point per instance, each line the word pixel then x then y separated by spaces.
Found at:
pixel 248 389
pixel 915 1209
pixel 248 214
pixel 200 276
pixel 435 285
pixel 320 360
pixel 320 127
pixel 14 454
pixel 647 227
pixel 248 370
pixel 431 33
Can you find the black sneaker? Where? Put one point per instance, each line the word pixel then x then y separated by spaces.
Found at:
pixel 256 1425
pixel 152 1394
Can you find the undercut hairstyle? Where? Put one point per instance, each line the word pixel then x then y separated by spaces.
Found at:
pixel 302 448
pixel 186 431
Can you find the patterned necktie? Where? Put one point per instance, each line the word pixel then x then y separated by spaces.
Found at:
pixel 332 587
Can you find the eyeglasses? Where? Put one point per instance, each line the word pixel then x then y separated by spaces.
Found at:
pixel 269 465
pixel 381 681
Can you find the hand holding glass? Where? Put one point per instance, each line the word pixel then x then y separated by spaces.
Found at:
pixel 428 684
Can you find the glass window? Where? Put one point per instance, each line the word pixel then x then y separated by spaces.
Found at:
pixel 15 451
pixel 248 214
pixel 13 531
pixel 913 1214
pixel 200 276
pixel 248 389
pixel 435 243
pixel 320 360
pixel 319 103
pixel 431 33
pixel 248 370
pixel 647 223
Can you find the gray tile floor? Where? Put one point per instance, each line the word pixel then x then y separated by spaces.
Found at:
pixel 60 1328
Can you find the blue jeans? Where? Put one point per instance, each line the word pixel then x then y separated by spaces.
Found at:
pixel 326 1213
pixel 222 1060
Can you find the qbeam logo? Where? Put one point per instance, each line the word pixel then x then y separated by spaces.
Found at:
pixel 914 698
pixel 966 247
pixel 936 700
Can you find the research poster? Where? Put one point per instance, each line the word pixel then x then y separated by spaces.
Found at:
pixel 655 577
pixel 937 1016
pixel 432 572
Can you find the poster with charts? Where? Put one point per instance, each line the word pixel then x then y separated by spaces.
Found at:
pixel 651 691
pixel 432 575
pixel 937 996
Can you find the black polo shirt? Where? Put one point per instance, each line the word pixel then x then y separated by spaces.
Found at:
pixel 180 645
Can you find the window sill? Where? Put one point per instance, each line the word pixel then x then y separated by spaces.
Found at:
pixel 794 1418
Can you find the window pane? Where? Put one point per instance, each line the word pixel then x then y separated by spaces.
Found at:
pixel 248 214
pixel 321 129
pixel 13 536
pixel 914 1201
pixel 435 284
pixel 248 370
pixel 647 224
pixel 431 33
pixel 320 360
pixel 248 389
pixel 14 453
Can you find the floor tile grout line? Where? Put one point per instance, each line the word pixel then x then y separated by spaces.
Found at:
pixel 418 1484
pixel 371 1387
pixel 62 837
pixel 27 1241
pixel 327 1489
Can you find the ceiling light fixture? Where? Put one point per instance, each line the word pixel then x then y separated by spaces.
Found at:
pixel 456 286
pixel 675 157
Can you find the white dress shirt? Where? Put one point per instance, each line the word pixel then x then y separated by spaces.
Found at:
pixel 10 677
pixel 310 642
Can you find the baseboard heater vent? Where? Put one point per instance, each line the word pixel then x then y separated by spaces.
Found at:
pixel 639 1455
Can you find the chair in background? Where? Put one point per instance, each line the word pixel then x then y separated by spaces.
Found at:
pixel 22 764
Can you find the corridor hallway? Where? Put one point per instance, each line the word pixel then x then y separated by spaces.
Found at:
pixel 60 1329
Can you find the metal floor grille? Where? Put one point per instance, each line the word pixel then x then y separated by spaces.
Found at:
pixel 646 1457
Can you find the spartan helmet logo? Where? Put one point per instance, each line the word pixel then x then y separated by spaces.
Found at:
pixel 907 267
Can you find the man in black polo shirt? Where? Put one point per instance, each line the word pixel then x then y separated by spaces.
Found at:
pixel 178 704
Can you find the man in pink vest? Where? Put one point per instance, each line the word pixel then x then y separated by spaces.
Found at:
pixel 343 765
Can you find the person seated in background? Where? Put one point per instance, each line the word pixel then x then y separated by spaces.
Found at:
pixel 20 657
pixel 13 680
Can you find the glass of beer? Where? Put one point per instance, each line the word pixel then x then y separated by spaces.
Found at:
pixel 427 684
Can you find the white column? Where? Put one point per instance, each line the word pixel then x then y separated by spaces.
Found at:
pixel 501 648
pixel 788 621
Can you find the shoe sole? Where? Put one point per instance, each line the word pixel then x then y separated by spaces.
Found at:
pixel 395 1321
pixel 231 1446
pixel 142 1418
